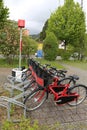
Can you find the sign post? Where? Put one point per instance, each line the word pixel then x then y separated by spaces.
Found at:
pixel 21 24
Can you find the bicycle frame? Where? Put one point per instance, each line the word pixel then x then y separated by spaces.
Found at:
pixel 61 95
pixel 60 92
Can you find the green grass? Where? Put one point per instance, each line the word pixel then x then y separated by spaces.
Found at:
pixel 26 124
pixel 57 64
pixel 14 64
pixel 52 63
pixel 78 64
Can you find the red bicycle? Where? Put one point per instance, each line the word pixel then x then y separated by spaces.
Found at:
pixel 36 72
pixel 62 90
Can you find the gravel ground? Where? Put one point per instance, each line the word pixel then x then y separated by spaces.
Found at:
pixel 4 72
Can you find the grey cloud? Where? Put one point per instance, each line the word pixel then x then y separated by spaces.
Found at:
pixel 35 12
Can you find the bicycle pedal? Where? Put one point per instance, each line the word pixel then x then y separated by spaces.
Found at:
pixel 55 104
pixel 58 101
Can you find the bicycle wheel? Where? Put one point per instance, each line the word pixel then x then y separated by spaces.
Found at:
pixel 32 86
pixel 35 99
pixel 65 81
pixel 81 90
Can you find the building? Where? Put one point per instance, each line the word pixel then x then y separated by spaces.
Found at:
pixel 26 32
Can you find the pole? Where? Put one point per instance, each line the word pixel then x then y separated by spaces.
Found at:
pixel 59 2
pixel 82 4
pixel 20 48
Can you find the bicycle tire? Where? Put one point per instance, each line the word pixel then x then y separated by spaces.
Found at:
pixel 81 90
pixel 33 101
pixel 66 80
pixel 32 86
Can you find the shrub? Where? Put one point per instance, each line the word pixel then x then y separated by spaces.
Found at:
pixel 24 124
pixel 50 47
pixel 27 124
pixel 65 54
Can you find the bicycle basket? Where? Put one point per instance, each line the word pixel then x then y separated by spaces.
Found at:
pixel 48 78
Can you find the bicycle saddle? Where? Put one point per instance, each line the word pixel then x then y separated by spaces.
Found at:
pixel 74 77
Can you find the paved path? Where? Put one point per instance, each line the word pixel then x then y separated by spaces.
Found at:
pixel 49 113
pixel 81 73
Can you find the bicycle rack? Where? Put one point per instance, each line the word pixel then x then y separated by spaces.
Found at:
pixel 11 85
pixel 6 102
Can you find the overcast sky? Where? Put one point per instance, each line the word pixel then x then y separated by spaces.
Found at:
pixel 34 12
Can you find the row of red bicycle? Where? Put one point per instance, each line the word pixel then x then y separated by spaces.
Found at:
pixel 45 80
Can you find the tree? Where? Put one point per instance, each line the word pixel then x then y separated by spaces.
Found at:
pixel 85 51
pixel 68 23
pixel 4 14
pixel 9 41
pixel 43 33
pixel 50 47
pixel 29 46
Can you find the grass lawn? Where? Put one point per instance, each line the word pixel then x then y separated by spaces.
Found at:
pixel 78 64
pixel 57 64
pixel 15 64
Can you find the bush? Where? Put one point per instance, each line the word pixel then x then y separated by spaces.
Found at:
pixel 50 47
pixel 65 54
pixel 26 124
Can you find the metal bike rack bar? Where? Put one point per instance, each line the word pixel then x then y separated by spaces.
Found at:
pixel 12 85
pixel 6 102
pixel 7 106
pixel 18 86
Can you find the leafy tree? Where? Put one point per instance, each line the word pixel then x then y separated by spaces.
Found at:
pixel 29 46
pixel 50 47
pixel 85 41
pixel 43 33
pixel 68 23
pixel 4 14
pixel 9 40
